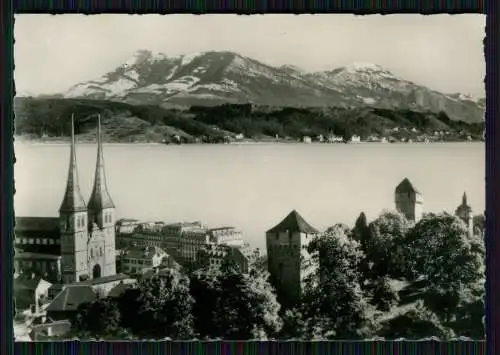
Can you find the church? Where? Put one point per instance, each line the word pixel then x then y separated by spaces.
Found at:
pixel 79 244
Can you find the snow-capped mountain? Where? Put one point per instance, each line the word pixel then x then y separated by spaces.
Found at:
pixel 210 78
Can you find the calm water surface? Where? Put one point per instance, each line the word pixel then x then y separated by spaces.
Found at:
pixel 253 187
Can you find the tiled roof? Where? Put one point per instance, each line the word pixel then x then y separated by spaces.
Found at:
pixel 406 186
pixel 101 280
pixel 119 289
pixel 294 222
pixel 37 224
pixel 71 298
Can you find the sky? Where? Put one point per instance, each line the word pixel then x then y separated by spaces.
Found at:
pixel 443 52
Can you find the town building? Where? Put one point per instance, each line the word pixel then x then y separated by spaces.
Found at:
pixel 464 212
pixel 286 245
pixel 82 239
pixel 409 201
pixel 126 225
pixel 226 235
pixel 31 292
pixel 166 237
pixel 355 139
pixel 306 139
pixel 213 256
pixel 134 260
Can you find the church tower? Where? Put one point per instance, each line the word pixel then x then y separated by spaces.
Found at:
pixel 464 212
pixel 73 223
pixel 409 201
pixel 101 214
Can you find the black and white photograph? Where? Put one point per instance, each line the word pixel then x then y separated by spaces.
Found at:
pixel 264 177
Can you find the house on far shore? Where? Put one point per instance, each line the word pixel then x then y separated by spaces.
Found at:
pixel 355 139
pixel 306 139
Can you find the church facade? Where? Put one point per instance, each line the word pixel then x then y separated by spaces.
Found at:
pixel 83 241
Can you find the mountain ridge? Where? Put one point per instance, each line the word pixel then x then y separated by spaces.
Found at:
pixel 211 78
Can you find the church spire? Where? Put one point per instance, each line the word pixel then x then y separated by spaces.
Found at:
pixel 72 200
pixel 464 199
pixel 100 198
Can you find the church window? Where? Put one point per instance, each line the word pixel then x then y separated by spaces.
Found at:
pixel 100 251
pixel 51 241
pixel 31 241
pixel 91 253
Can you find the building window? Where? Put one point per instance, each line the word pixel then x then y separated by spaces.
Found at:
pixel 100 251
pixel 31 241
pixel 37 241
pixel 44 241
pixel 51 241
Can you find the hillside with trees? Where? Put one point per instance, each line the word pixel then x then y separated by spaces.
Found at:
pixel 49 118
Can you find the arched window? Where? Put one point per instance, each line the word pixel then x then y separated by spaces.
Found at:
pixel 91 253
pixel 100 251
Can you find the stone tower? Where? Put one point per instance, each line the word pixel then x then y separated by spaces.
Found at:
pixel 286 245
pixel 101 215
pixel 409 201
pixel 73 224
pixel 464 212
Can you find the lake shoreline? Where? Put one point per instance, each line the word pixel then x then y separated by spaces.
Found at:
pixel 249 142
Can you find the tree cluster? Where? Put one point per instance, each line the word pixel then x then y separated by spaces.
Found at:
pixel 389 278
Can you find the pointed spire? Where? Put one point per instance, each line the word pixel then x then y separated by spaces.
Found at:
pixel 73 200
pixel 464 199
pixel 100 198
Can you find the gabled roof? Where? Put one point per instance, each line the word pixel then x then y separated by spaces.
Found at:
pixel 406 186
pixel 71 298
pixel 294 222
pixel 119 289
pixel 37 224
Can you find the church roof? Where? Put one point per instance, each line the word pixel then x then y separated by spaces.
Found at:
pixel 100 198
pixel 406 186
pixel 73 199
pixel 71 298
pixel 294 222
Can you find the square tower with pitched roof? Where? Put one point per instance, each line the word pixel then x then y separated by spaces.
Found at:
pixel 409 201
pixel 288 258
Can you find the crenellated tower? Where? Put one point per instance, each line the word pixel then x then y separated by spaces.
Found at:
pixel 101 218
pixel 73 223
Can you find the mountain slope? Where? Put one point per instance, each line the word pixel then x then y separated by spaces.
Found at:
pixel 50 119
pixel 213 78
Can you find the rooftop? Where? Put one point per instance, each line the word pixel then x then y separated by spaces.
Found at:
pixel 294 222
pixel 119 289
pixel 142 252
pixel 71 298
pixel 101 280
pixel 406 186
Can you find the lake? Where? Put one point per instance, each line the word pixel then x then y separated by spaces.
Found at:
pixel 253 187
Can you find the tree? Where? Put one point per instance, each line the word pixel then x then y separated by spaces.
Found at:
pixel 361 232
pixel 416 323
pixel 385 246
pixel 163 307
pixel 99 319
pixel 383 294
pixel 231 305
pixel 440 251
pixel 334 305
